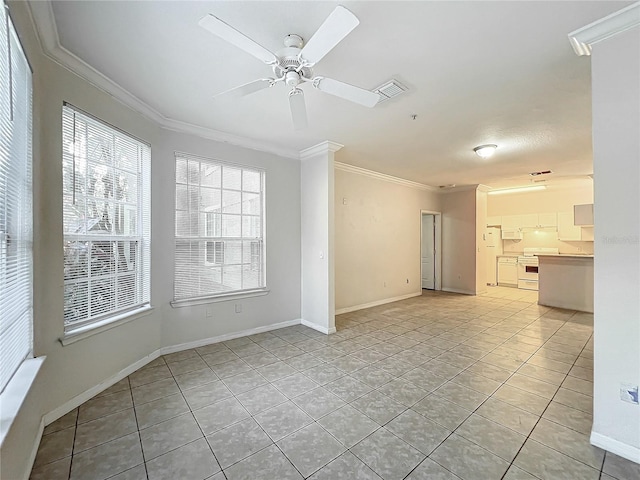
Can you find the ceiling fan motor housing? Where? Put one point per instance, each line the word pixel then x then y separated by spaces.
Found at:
pixel 288 60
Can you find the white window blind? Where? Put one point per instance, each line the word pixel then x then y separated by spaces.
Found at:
pixel 106 197
pixel 219 228
pixel 16 299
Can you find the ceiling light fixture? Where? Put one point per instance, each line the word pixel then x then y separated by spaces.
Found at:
pixel 533 188
pixel 485 151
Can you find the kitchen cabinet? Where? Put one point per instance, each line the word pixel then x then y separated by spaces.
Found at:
pixel 583 214
pixel 548 219
pixel 495 221
pixel 508 271
pixel 531 220
pixel 567 231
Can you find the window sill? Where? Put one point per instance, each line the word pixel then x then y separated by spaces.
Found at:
pixel 15 392
pixel 85 331
pixel 219 298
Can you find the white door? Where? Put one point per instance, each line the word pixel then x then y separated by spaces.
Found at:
pixel 428 250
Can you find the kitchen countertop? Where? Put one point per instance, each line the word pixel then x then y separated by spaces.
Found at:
pixel 570 255
pixel 509 255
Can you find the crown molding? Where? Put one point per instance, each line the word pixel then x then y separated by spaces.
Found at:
pixel 461 188
pixel 582 39
pixel 383 176
pixel 44 24
pixel 323 147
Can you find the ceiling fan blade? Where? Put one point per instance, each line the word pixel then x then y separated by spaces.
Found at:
pixel 346 91
pixel 335 28
pixel 246 89
pixel 298 109
pixel 226 32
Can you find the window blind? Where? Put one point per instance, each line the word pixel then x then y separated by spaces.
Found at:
pixel 16 303
pixel 219 244
pixel 106 199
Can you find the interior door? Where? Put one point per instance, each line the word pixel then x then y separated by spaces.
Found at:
pixel 428 251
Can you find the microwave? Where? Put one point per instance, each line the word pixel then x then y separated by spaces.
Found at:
pixel 511 234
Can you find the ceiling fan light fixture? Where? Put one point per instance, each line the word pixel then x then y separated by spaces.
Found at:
pixel 485 151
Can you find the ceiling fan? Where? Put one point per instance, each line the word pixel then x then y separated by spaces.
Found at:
pixel 293 65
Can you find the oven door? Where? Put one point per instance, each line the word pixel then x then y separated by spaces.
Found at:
pixel 527 271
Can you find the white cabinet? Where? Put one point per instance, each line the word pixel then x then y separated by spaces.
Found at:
pixel 567 231
pixel 531 220
pixel 495 221
pixel 508 271
pixel 583 214
pixel 548 219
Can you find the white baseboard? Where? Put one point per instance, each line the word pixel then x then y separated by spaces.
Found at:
pixel 93 391
pixel 457 290
pixel 340 311
pixel 34 450
pixel 227 336
pixel 317 327
pixel 614 446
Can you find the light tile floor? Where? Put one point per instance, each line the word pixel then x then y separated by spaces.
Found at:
pixel 440 387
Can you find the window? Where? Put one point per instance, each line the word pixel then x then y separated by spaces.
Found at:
pixel 16 213
pixel 106 197
pixel 219 228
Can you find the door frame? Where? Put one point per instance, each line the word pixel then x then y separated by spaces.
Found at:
pixel 438 245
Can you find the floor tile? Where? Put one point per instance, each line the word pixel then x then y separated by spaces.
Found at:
pixel 153 391
pixel 304 361
pixel 348 363
pixel 267 464
pixel 515 473
pixel 468 460
pixel 578 385
pixel 492 436
pixel 180 356
pixel 261 398
pixel 220 415
pixel 219 357
pixel 238 441
pixel 282 420
pixel 569 417
pixel 108 459
pixel 430 470
pixel 104 430
pixel 58 470
pixel 193 461
pixel 348 388
pixel 295 385
pixel 520 398
pixel 117 387
pixel 324 373
pixel 261 359
pixel 548 464
pixel 575 400
pixel 138 472
pixel 442 411
pixel 318 402
pixel 489 371
pixel 186 366
pixel 462 396
pixel 310 448
pixel 244 382
pixel 228 369
pixel 99 406
pixel 55 446
pixel 276 371
pixel 403 391
pixel 620 468
pixel 160 410
pixel 169 435
pixel 567 441
pixel 149 375
pixel 387 455
pixel 379 407
pixel 372 376
pixel 532 385
pixel 66 421
pixel 419 432
pixel 346 467
pixel 424 379
pixel 195 378
pixel 203 395
pixel 507 415
pixel 478 383
pixel 348 425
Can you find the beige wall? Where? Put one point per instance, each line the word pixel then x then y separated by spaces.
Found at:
pixel 459 234
pixel 554 199
pixel 377 238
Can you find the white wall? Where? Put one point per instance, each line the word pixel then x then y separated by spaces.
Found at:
pixel 481 249
pixel 616 123
pixel 553 199
pixel 459 241
pixel 377 238
pixel 71 370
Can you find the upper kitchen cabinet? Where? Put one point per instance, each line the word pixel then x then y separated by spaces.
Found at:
pixel 494 221
pixel 532 220
pixel 583 214
pixel 548 219
pixel 569 232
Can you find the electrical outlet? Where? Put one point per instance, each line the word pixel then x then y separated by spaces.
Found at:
pixel 629 393
pixel 209 312
pixel 238 308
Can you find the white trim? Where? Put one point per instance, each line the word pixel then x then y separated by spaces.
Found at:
pixel 383 176
pixel 15 393
pixel 227 336
pixel 437 246
pixel 322 147
pixel 615 446
pixel 188 302
pixel 91 329
pixel 31 459
pixel 461 188
pixel 457 290
pixel 582 39
pixel 377 302
pixel 319 328
pixel 44 23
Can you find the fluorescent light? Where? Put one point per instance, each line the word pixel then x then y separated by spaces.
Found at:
pixel 485 151
pixel 533 188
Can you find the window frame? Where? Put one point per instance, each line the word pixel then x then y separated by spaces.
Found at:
pixel 141 274
pixel 215 223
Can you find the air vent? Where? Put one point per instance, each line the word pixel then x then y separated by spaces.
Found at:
pixel 544 172
pixel 391 89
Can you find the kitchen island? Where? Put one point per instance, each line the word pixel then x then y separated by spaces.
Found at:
pixel 566 281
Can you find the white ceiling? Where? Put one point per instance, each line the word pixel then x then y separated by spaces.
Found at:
pixel 478 72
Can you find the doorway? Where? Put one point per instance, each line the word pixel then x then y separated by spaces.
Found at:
pixel 430 258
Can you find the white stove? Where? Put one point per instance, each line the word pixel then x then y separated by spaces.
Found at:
pixel 528 267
